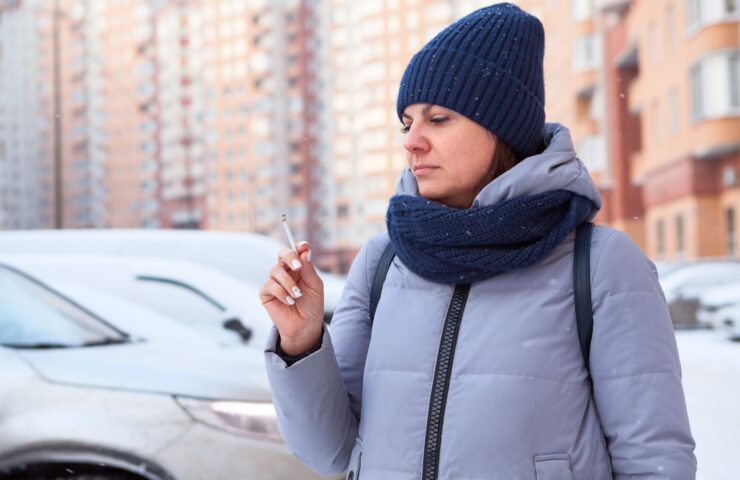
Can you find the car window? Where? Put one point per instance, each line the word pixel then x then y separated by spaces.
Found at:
pixel 178 301
pixel 32 315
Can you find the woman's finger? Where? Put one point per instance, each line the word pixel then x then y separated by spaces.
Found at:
pixel 282 277
pixel 290 259
pixel 272 290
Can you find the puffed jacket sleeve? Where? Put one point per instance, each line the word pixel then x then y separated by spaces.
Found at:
pixel 635 366
pixel 318 398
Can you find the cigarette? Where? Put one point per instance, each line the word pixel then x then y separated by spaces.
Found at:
pixel 289 233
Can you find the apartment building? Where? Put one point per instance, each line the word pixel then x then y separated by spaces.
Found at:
pixel 687 93
pixel 650 91
pixel 370 44
pixel 25 174
pixel 263 117
pixel 168 113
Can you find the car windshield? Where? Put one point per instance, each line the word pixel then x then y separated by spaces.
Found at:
pixel 33 316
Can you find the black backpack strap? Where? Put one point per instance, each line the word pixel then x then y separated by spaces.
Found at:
pixel 383 265
pixel 582 287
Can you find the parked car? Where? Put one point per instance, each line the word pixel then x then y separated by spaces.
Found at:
pixel 96 387
pixel 727 320
pixel 684 283
pixel 246 256
pixel 691 279
pixel 719 307
pixel 199 297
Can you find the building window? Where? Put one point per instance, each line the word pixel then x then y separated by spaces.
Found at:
pixel 587 53
pixel 697 89
pixel 670 20
pixel 731 244
pixel 680 244
pixel 703 12
pixel 654 43
pixel 673 111
pixel 715 85
pixel 656 120
pixel 581 9
pixel 734 60
pixel 660 238
pixel 593 152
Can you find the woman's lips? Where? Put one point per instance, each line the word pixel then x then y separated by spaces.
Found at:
pixel 420 170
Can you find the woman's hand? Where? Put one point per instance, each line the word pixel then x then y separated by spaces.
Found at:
pixel 294 298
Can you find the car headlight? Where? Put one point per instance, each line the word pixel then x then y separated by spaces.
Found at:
pixel 253 419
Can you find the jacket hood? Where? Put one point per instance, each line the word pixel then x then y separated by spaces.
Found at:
pixel 556 168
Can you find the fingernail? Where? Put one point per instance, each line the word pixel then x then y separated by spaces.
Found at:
pixel 289 300
pixel 297 292
pixel 302 243
pixel 308 256
pixel 295 264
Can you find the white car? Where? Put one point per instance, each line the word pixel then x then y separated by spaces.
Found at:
pixel 207 300
pixel 96 387
pixel 727 320
pixel 720 308
pixel 690 280
pixel 246 256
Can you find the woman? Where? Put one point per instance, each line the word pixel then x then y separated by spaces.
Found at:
pixel 471 368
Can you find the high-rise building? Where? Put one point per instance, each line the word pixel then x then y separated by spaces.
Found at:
pixel 263 117
pixel 370 44
pixel 166 113
pixel 25 174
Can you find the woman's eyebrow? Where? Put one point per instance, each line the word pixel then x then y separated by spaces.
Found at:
pixel 424 111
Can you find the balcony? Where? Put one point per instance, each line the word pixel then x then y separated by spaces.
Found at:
pixel 585 84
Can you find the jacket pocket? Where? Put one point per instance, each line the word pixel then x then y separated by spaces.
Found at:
pixel 553 467
pixel 355 462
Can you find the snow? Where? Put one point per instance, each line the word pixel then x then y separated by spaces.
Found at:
pixel 711 380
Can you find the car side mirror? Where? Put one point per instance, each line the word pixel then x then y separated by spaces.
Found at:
pixel 236 325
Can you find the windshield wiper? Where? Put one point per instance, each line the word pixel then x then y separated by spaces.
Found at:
pixel 40 345
pixel 105 341
pixel 50 345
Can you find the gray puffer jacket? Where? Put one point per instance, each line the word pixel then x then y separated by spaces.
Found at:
pixel 518 402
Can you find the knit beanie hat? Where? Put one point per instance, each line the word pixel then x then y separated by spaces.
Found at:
pixel 486 66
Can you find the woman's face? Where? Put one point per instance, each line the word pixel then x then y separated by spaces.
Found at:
pixel 450 155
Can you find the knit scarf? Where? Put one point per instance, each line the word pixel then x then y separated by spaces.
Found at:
pixel 449 245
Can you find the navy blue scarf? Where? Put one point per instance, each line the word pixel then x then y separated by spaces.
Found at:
pixel 449 245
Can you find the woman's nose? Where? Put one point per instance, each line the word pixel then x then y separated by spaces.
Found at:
pixel 415 141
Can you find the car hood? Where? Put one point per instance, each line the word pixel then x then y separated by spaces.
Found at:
pixel 162 357
pixel 153 367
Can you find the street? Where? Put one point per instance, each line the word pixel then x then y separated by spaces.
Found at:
pixel 711 379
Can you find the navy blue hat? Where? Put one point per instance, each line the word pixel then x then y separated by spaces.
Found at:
pixel 488 67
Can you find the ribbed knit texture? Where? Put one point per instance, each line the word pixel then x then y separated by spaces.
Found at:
pixel 449 245
pixel 488 67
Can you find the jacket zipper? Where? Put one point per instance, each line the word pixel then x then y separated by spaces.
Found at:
pixel 441 383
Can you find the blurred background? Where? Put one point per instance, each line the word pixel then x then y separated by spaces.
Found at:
pixel 194 124
pixel 223 114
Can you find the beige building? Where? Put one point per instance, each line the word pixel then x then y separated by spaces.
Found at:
pixel 370 44
pixel 24 172
pixel 263 125
pixel 687 94
pixel 171 113
pixel 651 93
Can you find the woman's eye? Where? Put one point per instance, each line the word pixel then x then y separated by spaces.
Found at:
pixel 438 119
pixel 405 128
